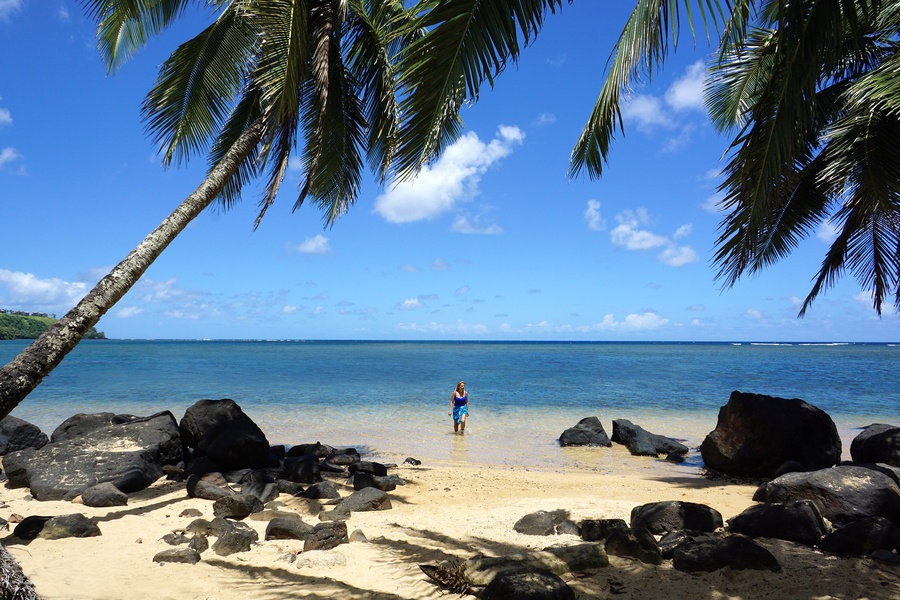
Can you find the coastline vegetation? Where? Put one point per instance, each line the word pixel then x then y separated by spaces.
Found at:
pixel 29 327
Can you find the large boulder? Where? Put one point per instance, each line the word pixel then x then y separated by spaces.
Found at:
pixel 587 432
pixel 641 442
pixel 842 494
pixel 735 551
pixel 220 430
pixel 17 434
pixel 798 521
pixel 673 515
pixel 86 450
pixel 756 434
pixel 877 443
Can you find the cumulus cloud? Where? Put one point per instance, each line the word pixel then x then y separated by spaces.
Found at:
pixel 686 93
pixel 457 328
pixel 650 113
pixel 8 156
pixel 867 299
pixel 5 117
pixel 452 179
pixel 315 245
pixel 129 311
pixel 410 304
pixel 678 256
pixel 8 7
pixel 632 234
pixel 25 291
pixel 646 321
pixel 475 224
pixel 289 309
pixel 645 111
pixel 713 203
pixel 592 216
pixel 545 119
pixel 629 235
pixel 827 232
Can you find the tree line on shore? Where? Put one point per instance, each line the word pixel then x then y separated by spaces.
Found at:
pixel 16 325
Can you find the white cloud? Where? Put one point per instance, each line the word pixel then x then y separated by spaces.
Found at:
pixel 687 91
pixel 315 245
pixel 63 13
pixel 678 256
pixel 458 328
pixel 25 291
pixel 649 112
pixel 410 304
pixel 462 291
pixel 683 231
pixel 452 179
pixel 827 232
pixel 9 155
pixel 8 7
pixel 646 321
pixel 465 223
pixel 289 309
pixel 631 234
pixel 545 119
pixel 5 117
pixel 867 299
pixel 129 311
pixel 628 235
pixel 439 265
pixel 645 111
pixel 409 268
pixel 713 203
pixel 592 216
pixel 756 315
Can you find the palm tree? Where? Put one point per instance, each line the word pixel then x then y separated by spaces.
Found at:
pixel 261 78
pixel 808 88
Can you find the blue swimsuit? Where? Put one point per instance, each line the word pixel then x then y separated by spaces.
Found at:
pixel 460 406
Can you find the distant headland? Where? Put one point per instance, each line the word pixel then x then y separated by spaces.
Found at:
pixel 20 325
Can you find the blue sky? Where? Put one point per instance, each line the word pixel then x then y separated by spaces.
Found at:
pixel 490 243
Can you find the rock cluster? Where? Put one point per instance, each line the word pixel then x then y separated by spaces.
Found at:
pixel 218 453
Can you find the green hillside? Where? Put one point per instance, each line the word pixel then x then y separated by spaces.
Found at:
pixel 18 326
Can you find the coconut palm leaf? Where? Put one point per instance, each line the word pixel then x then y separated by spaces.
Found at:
pixel 197 86
pixel 378 33
pixel 125 26
pixel 642 45
pixel 468 43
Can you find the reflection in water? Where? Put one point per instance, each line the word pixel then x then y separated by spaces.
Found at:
pixel 460 451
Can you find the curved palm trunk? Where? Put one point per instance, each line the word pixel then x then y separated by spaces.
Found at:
pixel 26 371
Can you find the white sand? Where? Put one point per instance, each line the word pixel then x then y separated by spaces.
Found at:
pixel 445 512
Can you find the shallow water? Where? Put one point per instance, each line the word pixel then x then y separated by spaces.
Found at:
pixel 391 397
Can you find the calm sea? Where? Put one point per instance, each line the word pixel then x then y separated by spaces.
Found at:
pixel 391 398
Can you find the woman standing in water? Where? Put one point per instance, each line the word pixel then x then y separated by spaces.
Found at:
pixel 459 407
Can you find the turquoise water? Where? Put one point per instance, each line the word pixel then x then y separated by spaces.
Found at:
pixel 391 397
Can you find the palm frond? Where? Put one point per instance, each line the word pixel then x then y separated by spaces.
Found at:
pixel 863 168
pixel 197 86
pixel 246 114
pixel 333 122
pixel 281 68
pixel 125 26
pixel 467 43
pixel 642 45
pixel 377 32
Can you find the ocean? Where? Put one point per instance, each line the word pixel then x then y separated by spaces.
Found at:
pixel 390 399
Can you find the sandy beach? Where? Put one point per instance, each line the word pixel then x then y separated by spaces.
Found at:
pixel 445 512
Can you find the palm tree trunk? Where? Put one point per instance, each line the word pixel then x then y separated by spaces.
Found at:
pixel 26 371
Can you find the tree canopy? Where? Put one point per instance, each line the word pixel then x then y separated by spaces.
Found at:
pixel 808 89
